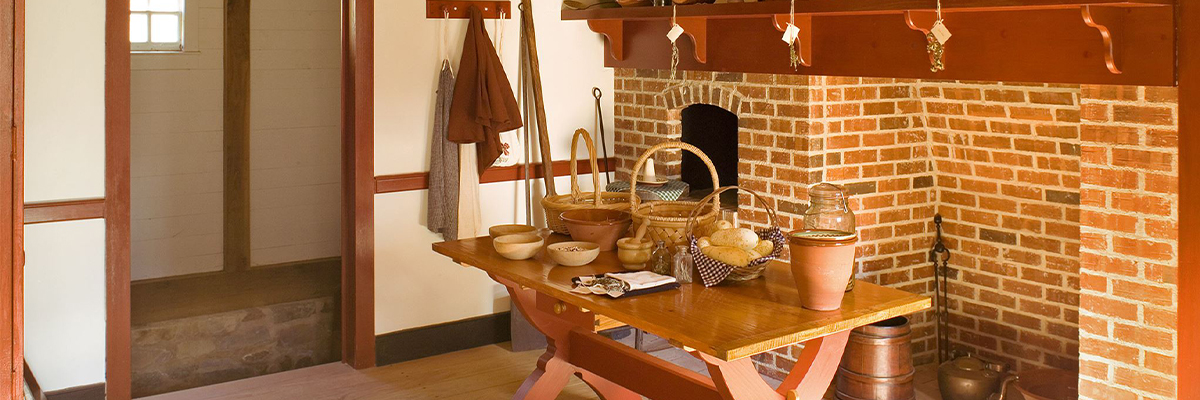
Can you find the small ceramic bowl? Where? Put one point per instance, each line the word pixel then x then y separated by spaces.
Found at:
pixel 573 254
pixel 518 247
pixel 512 229
pixel 634 253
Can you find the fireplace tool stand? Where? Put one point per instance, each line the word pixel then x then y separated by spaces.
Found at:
pixel 939 255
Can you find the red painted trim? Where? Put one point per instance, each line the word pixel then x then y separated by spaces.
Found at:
pixel 420 180
pixel 118 381
pixel 61 211
pixel 12 260
pixel 1189 197
pixel 358 158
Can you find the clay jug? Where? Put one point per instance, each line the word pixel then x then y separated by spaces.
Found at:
pixel 822 262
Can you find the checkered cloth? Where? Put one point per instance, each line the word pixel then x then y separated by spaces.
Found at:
pixel 713 272
pixel 670 191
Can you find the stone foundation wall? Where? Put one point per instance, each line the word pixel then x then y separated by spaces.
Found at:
pixel 198 351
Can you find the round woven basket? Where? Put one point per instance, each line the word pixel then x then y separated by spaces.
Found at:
pixel 668 220
pixel 712 271
pixel 577 200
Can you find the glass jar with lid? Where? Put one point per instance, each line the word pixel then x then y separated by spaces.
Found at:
pixel 828 210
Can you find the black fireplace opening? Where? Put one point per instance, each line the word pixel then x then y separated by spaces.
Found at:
pixel 714 130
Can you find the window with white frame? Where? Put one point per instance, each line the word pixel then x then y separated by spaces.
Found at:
pixel 156 25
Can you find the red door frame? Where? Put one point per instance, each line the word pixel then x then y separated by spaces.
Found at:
pixel 358 285
pixel 1188 324
pixel 12 258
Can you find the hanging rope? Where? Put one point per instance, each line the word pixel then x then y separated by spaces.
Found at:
pixel 674 46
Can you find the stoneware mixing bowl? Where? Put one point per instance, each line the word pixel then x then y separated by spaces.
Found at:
pixel 518 247
pixel 602 227
pixel 573 254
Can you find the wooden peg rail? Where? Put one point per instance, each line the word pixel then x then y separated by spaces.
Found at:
pixel 437 9
pixel 1002 40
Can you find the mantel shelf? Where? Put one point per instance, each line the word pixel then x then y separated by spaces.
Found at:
pixel 844 7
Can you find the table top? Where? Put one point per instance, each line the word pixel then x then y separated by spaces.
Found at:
pixel 728 321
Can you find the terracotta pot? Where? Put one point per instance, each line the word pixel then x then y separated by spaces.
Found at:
pixel 822 262
pixel 602 227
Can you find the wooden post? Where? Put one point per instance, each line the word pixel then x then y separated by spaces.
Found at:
pixel 12 260
pixel 1189 198
pixel 237 135
pixel 358 183
pixel 118 351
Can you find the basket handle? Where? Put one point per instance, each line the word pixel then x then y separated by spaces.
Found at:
pixel 714 196
pixel 637 168
pixel 591 146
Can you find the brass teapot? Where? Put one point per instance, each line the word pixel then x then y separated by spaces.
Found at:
pixel 970 378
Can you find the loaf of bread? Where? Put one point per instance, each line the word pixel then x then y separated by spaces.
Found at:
pixel 729 255
pixel 741 238
pixel 764 248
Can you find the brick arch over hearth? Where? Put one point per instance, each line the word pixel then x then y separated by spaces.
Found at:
pixel 639 128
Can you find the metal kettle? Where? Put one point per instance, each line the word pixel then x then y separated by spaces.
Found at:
pixel 970 378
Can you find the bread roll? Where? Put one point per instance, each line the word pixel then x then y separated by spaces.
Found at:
pixel 703 242
pixel 741 238
pixel 729 255
pixel 764 248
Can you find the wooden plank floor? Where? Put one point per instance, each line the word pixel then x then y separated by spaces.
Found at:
pixel 484 373
pixel 489 372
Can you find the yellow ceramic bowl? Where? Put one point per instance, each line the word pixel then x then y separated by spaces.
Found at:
pixel 634 253
pixel 573 254
pixel 518 247
pixel 511 229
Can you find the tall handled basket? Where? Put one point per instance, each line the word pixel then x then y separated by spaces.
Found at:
pixel 668 220
pixel 579 200
pixel 712 271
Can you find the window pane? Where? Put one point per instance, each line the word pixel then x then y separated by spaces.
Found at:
pixel 165 5
pixel 138 5
pixel 139 30
pixel 164 28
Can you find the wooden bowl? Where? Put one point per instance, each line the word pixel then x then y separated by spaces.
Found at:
pixel 511 229
pixel 518 247
pixel 586 253
pixel 602 227
pixel 635 3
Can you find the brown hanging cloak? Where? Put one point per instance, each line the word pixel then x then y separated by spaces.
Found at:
pixel 483 104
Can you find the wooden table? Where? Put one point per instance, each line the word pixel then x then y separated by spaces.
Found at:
pixel 723 326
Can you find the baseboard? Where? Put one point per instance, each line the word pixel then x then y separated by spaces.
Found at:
pixel 412 344
pixel 94 391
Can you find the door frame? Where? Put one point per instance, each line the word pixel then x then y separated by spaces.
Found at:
pixel 358 230
pixel 12 197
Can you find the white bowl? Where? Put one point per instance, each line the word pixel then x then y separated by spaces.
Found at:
pixel 518 247
pixel 588 253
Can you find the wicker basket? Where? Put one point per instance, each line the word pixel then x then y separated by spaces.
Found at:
pixel 577 200
pixel 668 220
pixel 713 272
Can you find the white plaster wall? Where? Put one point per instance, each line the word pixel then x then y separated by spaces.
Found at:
pixel 64 303
pixel 64 159
pixel 414 286
pixel 176 166
pixel 295 138
pixel 64 99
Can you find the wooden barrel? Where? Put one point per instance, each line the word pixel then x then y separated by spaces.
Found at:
pixel 877 364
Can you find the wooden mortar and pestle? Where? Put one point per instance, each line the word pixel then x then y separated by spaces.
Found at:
pixel 634 252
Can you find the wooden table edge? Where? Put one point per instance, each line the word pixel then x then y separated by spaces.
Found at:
pixel 914 304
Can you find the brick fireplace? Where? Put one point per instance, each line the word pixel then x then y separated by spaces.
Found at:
pixel 1059 202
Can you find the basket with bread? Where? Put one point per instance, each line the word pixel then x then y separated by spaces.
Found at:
pixel 723 252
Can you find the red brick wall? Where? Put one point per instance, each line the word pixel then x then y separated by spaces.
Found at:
pixel 876 147
pixel 1004 164
pixel 1130 215
pixel 1007 162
